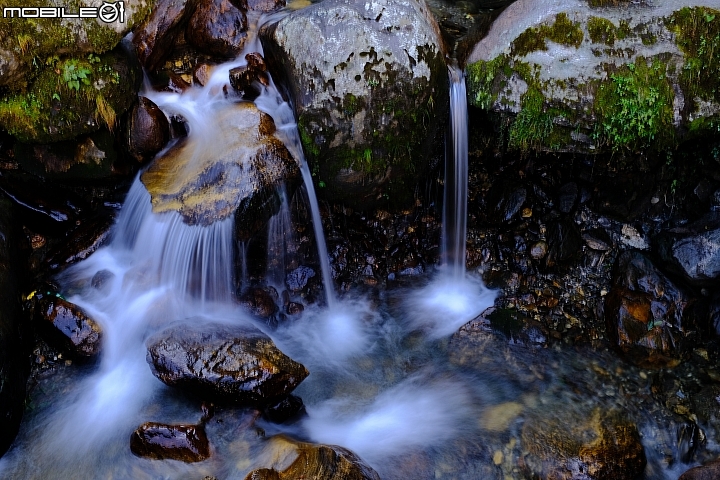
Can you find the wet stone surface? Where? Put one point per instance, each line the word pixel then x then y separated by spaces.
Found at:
pixel 186 443
pixel 67 326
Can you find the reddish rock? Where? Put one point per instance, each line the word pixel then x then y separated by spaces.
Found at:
pixel 67 326
pixel 155 38
pixel 217 28
pixel 709 471
pixel 186 443
pixel 265 5
pixel 243 78
pixel 148 130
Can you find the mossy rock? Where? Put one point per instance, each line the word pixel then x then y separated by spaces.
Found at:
pixel 588 79
pixel 370 94
pixel 26 43
pixel 71 97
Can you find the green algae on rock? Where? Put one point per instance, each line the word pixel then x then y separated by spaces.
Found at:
pixel 369 107
pixel 71 97
pixel 642 78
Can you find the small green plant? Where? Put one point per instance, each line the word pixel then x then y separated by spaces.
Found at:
pixel 74 73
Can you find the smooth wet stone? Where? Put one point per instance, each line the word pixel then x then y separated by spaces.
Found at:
pixel 564 241
pixel 237 364
pixel 317 462
pixel 156 36
pixel 709 471
pixel 598 239
pixel 81 242
pixel 148 130
pixel 644 310
pixel 67 326
pixel 568 445
pixel 286 409
pixel 14 337
pixel 504 202
pixel 232 168
pixel 186 443
pixel 217 27
pixel 298 278
pixel 243 78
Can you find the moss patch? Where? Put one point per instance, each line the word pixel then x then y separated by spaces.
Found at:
pixel 563 31
pixel 70 97
pixel 482 77
pixel 635 107
pixel 697 33
pixel 602 30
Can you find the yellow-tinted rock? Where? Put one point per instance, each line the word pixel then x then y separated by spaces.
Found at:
pixel 213 173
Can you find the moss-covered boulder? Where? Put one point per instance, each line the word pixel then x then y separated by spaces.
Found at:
pixel 592 75
pixel 369 84
pixel 71 97
pixel 26 43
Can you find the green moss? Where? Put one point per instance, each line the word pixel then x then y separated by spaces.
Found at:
pixel 697 33
pixel 563 31
pixel 624 31
pixel 602 30
pixel 533 124
pixel 481 80
pixel 70 97
pixel 635 107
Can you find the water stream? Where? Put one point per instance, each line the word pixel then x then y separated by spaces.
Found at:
pixel 387 380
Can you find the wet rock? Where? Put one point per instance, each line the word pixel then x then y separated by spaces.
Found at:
pixel 232 363
pixel 67 327
pixel 201 75
pixel 82 242
pixel 260 302
pixel 298 278
pixel 567 197
pixel 644 309
pixel 319 462
pixel 243 78
pixel 366 93
pixel 564 241
pixel 233 169
pixel 601 446
pixel 186 443
pixel 154 39
pixel 505 202
pixel 709 471
pixel 14 337
pixel 148 130
pixel 217 27
pixel 539 250
pixel 598 239
pixel 265 5
pixel 694 250
pixel 286 409
pixel 294 308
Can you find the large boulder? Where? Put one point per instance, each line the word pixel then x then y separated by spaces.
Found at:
pixel 625 77
pixel 72 96
pixel 229 363
pixel 319 462
pixel 26 44
pixel 14 365
pixel 644 310
pixel 369 85
pixel 694 250
pixel 234 167
pixel 217 28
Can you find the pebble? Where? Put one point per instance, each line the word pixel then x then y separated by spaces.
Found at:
pixel 498 457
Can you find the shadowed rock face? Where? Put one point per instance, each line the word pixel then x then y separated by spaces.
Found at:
pixel 234 167
pixel 67 326
pixel 187 443
pixel 235 364
pixel 319 462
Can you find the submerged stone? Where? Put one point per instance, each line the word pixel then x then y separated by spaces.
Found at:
pixel 235 364
pixel 233 167
pixel 186 443
pixel 319 462
pixel 600 446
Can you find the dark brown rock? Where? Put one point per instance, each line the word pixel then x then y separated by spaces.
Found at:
pixel 67 326
pixel 186 443
pixel 148 130
pixel 286 409
pixel 155 38
pixel 564 241
pixel 709 471
pixel 260 301
pixel 201 75
pixel 319 462
pixel 243 78
pixel 217 27
pixel 294 308
pixel 644 310
pixel 236 364
pixel 600 446
pixel 81 243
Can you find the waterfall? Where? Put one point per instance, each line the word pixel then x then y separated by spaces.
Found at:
pixel 281 245
pixel 456 180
